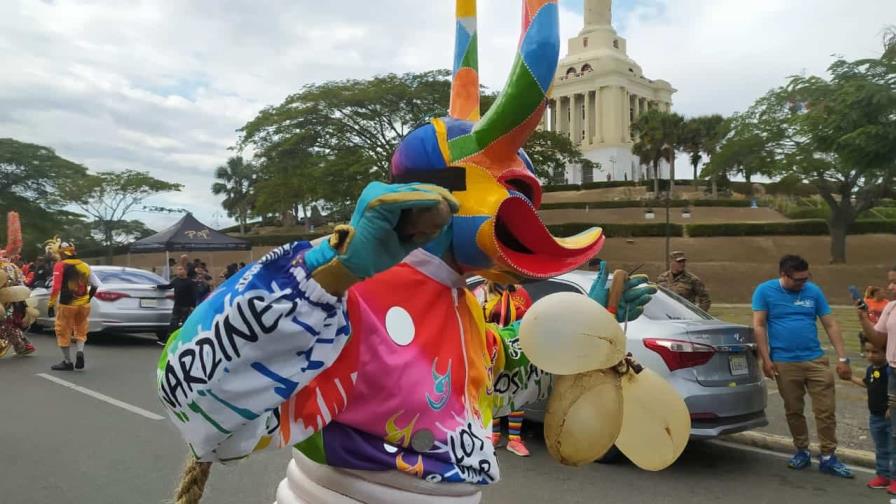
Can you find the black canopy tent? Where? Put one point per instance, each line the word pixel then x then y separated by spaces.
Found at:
pixel 188 235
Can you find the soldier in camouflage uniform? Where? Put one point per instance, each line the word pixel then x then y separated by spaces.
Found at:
pixel 684 283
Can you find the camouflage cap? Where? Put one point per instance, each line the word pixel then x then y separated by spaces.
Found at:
pixel 678 255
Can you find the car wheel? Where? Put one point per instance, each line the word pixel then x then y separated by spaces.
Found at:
pixel 612 456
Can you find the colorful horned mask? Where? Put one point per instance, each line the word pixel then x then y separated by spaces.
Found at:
pixel 58 249
pixel 497 232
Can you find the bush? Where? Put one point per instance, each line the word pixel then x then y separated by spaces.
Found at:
pixel 561 187
pixel 653 203
pixel 808 213
pixel 280 239
pixel 619 230
pixel 786 187
pixel 871 226
pixel 805 227
pixel 608 184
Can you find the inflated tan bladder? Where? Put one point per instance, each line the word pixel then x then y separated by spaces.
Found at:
pixel 14 294
pixel 583 417
pixel 568 333
pixel 656 424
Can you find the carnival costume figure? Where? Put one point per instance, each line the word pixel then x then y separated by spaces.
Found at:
pixel 16 308
pixel 367 353
pixel 74 285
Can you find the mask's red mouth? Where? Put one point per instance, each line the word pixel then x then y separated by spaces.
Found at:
pixel 527 247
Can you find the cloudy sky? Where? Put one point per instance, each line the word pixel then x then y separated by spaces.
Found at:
pixel 162 85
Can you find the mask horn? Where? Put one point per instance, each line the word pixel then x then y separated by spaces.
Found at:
pixel 516 113
pixel 465 78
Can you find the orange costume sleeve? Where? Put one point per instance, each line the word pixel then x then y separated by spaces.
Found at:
pixel 57 283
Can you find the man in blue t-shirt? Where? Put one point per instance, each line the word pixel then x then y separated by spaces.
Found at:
pixel 784 313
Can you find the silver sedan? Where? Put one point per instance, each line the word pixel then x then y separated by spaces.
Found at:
pixel 126 302
pixel 711 363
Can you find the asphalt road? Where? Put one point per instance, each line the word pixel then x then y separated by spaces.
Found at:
pixel 61 445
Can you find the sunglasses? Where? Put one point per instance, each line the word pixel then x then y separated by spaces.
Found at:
pixel 799 280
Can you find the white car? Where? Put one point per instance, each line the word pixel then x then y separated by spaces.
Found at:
pixel 712 364
pixel 126 301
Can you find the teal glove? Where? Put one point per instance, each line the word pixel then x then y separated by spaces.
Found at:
pixel 371 242
pixel 637 293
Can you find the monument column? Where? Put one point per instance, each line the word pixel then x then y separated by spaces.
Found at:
pixel 589 116
pixel 598 13
pixel 575 106
pixel 563 108
pixel 624 112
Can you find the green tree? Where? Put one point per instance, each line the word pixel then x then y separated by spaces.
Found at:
pixel 235 180
pixel 109 197
pixel 742 153
pixel 551 152
pixel 32 180
pixel 324 143
pixel 839 133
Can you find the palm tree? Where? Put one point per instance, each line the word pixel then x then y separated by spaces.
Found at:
pixel 700 136
pixel 715 129
pixel 659 135
pixel 236 180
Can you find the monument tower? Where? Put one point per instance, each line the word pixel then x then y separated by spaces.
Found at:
pixel 598 92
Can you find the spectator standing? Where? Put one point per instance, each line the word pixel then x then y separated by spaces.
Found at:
pixel 184 300
pixel 784 313
pixel 883 335
pixel 683 282
pixel 875 380
pixel 42 272
pixel 203 286
pixel 876 300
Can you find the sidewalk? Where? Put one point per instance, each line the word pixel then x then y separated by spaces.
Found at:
pixel 852 425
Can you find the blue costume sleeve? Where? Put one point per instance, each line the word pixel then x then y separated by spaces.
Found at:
pixel 251 345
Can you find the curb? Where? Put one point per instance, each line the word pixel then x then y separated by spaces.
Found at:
pixel 785 445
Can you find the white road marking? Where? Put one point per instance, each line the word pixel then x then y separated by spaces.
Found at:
pixel 102 397
pixel 785 456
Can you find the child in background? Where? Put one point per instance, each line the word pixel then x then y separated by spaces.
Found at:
pixel 876 300
pixel 879 423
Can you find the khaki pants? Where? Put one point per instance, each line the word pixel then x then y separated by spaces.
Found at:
pixel 816 377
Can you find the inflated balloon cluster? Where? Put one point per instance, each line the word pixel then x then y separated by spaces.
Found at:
pixel 11 293
pixel 600 397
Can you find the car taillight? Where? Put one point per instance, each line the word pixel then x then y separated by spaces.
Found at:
pixel 110 295
pixel 680 354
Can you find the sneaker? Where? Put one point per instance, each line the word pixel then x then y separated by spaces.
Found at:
pixel 496 439
pixel 878 482
pixel 834 467
pixel 79 360
pixel 516 446
pixel 63 366
pixel 801 460
pixel 892 488
pixel 27 349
